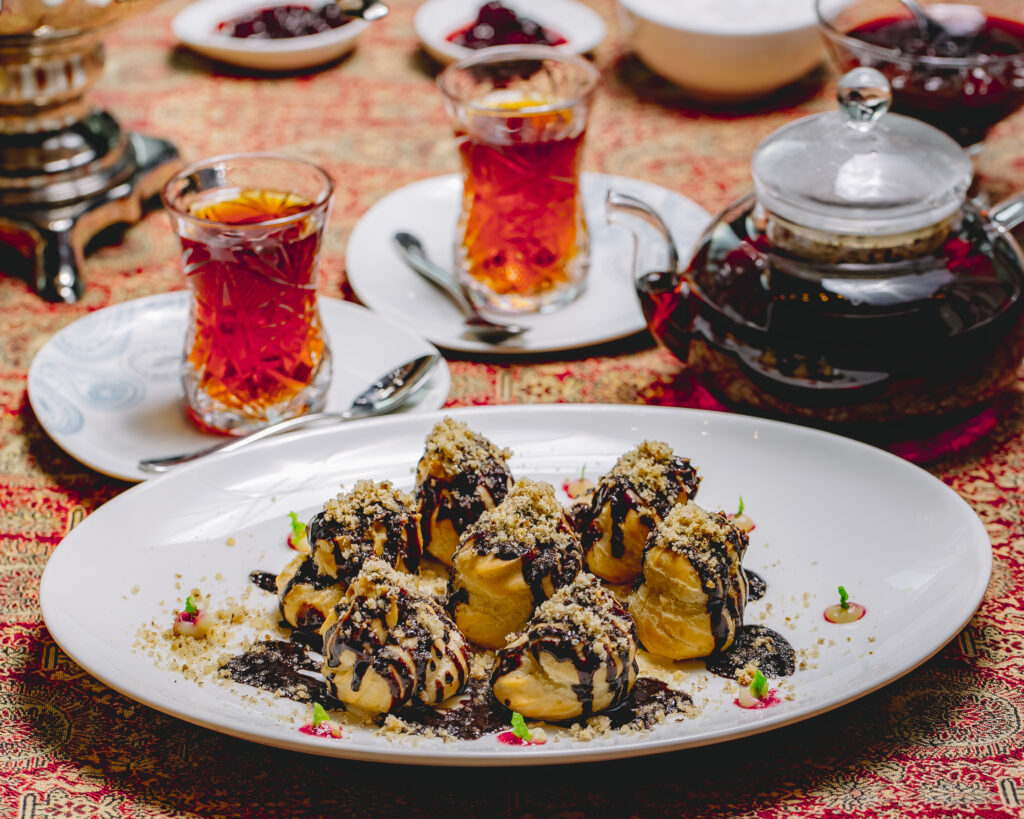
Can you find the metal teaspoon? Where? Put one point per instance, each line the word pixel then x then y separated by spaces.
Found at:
pixel 413 254
pixel 931 29
pixel 368 10
pixel 389 392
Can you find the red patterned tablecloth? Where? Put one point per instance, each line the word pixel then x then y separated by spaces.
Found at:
pixel 946 741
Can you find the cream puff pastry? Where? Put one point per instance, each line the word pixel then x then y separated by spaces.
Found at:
pixel 514 557
pixel 385 646
pixel 629 502
pixel 690 598
pixel 373 520
pixel 460 475
pixel 576 657
pixel 304 595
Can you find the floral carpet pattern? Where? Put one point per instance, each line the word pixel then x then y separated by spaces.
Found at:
pixel 945 741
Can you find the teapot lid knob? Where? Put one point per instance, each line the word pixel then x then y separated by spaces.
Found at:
pixel 864 97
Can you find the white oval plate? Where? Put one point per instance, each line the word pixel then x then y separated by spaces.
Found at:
pixel 582 28
pixel 828 510
pixel 606 310
pixel 196 27
pixel 107 388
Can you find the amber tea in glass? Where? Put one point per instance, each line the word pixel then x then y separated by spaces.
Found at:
pixel 520 115
pixel 250 228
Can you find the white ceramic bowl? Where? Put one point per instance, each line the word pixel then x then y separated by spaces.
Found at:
pixel 726 49
pixel 582 28
pixel 196 27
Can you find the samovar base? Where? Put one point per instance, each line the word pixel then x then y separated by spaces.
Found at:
pixel 58 190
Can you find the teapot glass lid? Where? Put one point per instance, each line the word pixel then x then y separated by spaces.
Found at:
pixel 861 170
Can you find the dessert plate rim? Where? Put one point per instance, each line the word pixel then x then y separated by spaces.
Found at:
pixel 829 511
pixel 606 310
pixel 106 388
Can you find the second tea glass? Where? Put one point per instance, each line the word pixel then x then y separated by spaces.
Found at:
pixel 520 116
pixel 250 227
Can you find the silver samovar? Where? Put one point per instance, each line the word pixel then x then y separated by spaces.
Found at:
pixel 67 170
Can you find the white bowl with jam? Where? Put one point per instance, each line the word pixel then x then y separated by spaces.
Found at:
pixel 452 29
pixel 236 32
pixel 724 49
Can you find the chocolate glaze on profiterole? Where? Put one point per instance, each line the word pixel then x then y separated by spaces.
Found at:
pixel 385 646
pixel 514 557
pixel 304 595
pixel 460 475
pixel 690 598
pixel 576 657
pixel 629 502
pixel 373 520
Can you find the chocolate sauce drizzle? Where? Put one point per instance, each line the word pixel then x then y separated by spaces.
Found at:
pixel 351 547
pixel 264 580
pixel 402 658
pixel 479 713
pixel 564 639
pixel 722 577
pixel 620 493
pixel 539 560
pixel 309 618
pixel 757 586
pixel 476 715
pixel 760 645
pixel 648 703
pixel 459 499
pixel 276 666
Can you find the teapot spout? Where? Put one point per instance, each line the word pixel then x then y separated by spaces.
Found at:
pixel 663 293
pixel 618 203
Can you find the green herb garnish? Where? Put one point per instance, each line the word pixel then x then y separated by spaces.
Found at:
pixel 519 727
pixel 320 714
pixel 583 473
pixel 190 606
pixel 298 527
pixel 759 686
pixel 843 598
pixel 740 510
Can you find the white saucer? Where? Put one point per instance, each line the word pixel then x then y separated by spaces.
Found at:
pixel 582 28
pixel 107 387
pixel 607 309
pixel 196 27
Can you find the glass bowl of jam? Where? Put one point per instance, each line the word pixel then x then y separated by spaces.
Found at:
pixel 268 35
pixel 963 74
pixel 451 30
pixel 857 288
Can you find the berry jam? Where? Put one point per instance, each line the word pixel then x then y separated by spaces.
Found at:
pixel 963 99
pixel 748 700
pixel 510 738
pixel 925 342
pixel 328 729
pixel 279 22
pixel 499 25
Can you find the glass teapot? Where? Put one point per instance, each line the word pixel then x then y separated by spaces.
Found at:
pixel 856 286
